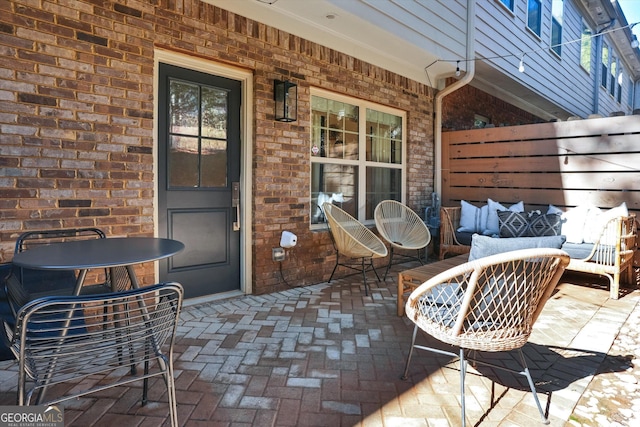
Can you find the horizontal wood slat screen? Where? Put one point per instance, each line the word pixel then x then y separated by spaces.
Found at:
pixel 566 164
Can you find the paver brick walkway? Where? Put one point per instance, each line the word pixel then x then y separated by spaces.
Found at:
pixel 327 355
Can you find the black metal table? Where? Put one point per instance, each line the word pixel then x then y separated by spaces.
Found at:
pixel 84 255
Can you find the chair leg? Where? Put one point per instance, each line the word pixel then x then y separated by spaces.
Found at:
pixel 413 341
pixel 463 372
pixel 389 264
pixel 526 373
pixel 334 267
pixel 364 276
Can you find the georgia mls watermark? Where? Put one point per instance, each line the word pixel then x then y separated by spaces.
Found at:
pixel 31 416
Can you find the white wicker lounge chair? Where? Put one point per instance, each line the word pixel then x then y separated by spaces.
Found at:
pixel 353 240
pixel 402 228
pixel 486 305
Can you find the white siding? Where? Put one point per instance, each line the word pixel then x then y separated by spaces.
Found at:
pixel 502 33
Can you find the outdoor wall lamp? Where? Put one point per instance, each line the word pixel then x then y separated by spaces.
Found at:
pixel 285 94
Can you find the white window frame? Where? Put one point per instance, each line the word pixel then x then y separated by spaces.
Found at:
pixel 361 163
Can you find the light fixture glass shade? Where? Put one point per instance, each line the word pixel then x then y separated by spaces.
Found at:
pixel 285 95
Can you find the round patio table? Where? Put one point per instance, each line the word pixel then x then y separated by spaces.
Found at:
pixel 84 255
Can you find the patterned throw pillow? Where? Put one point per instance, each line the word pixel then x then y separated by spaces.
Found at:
pixel 545 224
pixel 532 224
pixel 513 224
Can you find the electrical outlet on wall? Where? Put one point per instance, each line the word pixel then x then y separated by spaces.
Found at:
pixel 277 254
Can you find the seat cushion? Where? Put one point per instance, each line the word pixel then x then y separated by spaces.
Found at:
pixel 578 250
pixel 483 246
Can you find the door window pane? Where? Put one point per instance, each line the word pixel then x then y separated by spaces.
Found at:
pixel 214 163
pixel 183 108
pixel 183 161
pixel 197 156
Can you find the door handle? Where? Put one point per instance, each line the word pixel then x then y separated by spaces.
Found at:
pixel 235 203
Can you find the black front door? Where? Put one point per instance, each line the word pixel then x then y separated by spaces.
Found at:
pixel 198 178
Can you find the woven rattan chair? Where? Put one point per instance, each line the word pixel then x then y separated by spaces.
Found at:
pixel 402 228
pixel 353 241
pixel 449 223
pixel 486 305
pixel 69 340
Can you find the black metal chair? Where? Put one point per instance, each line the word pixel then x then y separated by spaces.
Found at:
pixel 68 339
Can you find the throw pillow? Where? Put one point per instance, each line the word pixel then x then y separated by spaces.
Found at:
pixel 493 225
pixel 596 220
pixel 532 224
pixel 572 222
pixel 483 246
pixel 472 218
pixel 513 224
pixel 544 224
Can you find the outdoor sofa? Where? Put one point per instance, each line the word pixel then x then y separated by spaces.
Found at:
pixel 598 241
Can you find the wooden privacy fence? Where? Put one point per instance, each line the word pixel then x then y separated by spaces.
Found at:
pixel 566 164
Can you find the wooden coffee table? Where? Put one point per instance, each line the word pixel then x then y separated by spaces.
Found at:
pixel 408 280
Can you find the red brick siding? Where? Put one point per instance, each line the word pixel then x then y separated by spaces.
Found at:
pixel 460 107
pixel 76 120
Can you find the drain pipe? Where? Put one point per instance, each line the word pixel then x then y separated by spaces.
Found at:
pixel 471 67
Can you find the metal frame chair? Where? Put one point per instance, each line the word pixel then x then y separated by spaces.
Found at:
pixel 68 339
pixel 402 228
pixel 352 239
pixel 486 305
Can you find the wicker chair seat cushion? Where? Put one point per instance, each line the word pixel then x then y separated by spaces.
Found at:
pixel 483 246
pixel 464 237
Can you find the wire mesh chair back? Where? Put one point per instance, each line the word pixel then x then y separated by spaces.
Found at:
pixel 489 304
pixel 351 237
pixel 41 282
pixel 400 226
pixel 69 339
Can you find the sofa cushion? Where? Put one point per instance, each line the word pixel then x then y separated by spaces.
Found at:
pixel 464 237
pixel 578 250
pixel 473 219
pixel 482 246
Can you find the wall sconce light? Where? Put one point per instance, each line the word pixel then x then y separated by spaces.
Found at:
pixel 285 94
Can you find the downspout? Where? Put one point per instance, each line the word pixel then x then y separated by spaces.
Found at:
pixel 471 67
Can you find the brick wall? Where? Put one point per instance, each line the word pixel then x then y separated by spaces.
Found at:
pixel 76 120
pixel 460 108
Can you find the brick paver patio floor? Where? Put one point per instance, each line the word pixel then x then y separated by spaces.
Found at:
pixel 327 355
